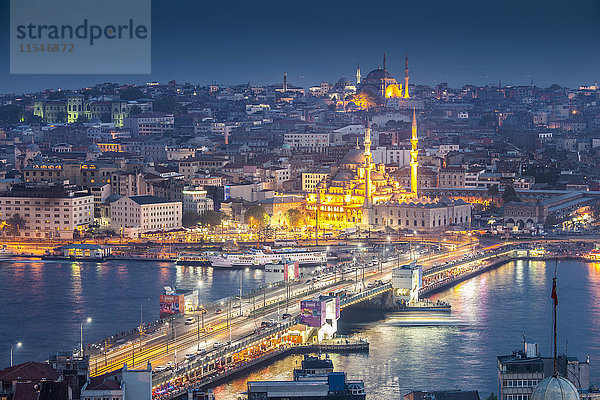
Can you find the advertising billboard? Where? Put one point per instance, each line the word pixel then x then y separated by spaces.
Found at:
pixel 171 304
pixel 312 313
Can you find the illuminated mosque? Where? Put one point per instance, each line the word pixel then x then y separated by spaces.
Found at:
pixel 381 83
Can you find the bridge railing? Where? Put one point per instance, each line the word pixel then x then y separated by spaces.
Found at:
pixel 366 294
pixel 163 377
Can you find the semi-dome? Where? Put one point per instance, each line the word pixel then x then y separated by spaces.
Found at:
pixel 378 74
pixel 555 388
pixel 354 156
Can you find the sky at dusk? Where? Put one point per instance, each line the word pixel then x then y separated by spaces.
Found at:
pixel 459 42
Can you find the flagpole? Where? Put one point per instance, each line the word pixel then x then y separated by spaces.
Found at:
pixel 555 360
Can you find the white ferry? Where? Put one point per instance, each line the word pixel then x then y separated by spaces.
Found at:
pixel 255 258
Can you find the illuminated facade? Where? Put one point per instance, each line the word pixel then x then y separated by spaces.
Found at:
pixel 362 194
pixel 345 200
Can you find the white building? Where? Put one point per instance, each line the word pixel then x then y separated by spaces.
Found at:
pixel 128 385
pixel 310 142
pixel 48 211
pixel 149 124
pixel 195 199
pixel 421 215
pixel 310 180
pixel 146 213
pixel 390 155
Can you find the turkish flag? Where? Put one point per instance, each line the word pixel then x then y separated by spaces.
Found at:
pixel 554 295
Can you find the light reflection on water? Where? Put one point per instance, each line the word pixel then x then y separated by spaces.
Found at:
pixel 43 303
pixel 489 316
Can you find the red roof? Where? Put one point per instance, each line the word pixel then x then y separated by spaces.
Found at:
pixel 30 371
pixel 102 383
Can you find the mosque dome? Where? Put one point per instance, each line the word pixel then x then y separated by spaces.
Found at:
pixel 285 146
pixel 354 156
pixel 555 388
pixel 378 74
pixel 342 82
pixel 344 176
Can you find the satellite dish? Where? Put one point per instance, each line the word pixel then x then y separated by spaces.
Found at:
pixel 168 289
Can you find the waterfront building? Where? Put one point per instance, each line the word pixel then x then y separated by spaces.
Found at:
pixel 195 199
pixel 48 211
pixel 145 213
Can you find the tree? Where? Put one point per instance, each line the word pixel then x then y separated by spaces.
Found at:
pixel 510 194
pixel 106 118
pixel 30 118
pixel 493 192
pixel 61 117
pixel 166 104
pixel 57 95
pixel 255 216
pixel 210 218
pixel 131 93
pixel 81 119
pixel 11 114
pixel 190 218
pixel 294 217
pixel 492 396
pixel 554 87
pixel 14 224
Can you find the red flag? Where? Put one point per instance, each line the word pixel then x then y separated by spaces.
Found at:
pixel 554 295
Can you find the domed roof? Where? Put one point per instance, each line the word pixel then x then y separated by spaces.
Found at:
pixel 555 388
pixel 378 74
pixel 344 176
pixel 354 156
pixel 343 81
pixel 286 146
pixel 377 176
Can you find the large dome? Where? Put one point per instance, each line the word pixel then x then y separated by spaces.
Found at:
pixel 343 176
pixel 378 74
pixel 555 388
pixel 354 156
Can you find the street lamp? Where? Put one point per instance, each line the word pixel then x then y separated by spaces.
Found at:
pixel 88 320
pixel 11 350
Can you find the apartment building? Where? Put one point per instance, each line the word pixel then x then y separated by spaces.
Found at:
pixel 49 211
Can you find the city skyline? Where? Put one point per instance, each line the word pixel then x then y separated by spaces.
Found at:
pixel 459 43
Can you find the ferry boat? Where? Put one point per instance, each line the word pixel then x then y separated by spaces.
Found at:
pixel 195 259
pixel 255 258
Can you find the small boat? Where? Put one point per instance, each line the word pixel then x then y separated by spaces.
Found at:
pixel 5 253
pixel 195 259
pixel 79 252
